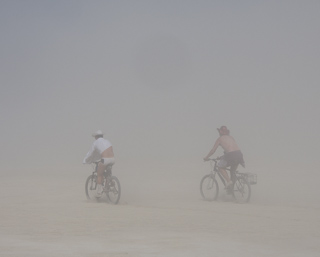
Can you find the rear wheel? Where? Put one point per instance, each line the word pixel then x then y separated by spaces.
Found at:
pixel 113 190
pixel 241 190
pixel 209 188
pixel 91 186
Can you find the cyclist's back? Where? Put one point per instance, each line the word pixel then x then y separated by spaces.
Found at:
pixel 228 143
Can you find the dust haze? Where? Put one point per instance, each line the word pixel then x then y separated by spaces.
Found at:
pixel 158 77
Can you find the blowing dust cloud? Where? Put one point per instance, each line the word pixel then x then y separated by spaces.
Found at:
pixel 158 78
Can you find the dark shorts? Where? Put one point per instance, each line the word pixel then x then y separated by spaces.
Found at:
pixel 231 159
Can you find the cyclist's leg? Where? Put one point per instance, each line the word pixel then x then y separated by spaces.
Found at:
pixel 233 169
pixel 225 175
pixel 100 171
pixel 108 163
pixel 222 165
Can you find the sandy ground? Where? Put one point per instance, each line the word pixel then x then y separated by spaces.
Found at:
pixel 48 215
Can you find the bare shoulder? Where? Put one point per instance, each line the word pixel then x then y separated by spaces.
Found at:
pixel 231 137
pixel 226 139
pixel 228 136
pixel 218 140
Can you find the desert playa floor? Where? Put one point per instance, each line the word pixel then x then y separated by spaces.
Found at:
pixel 49 216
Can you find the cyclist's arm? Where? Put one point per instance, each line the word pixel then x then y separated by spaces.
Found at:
pixel 213 150
pixel 89 157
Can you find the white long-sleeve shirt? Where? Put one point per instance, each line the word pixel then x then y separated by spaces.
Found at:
pixel 96 150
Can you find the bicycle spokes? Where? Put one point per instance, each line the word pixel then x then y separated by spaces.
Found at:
pixel 209 188
pixel 210 184
pixel 93 185
pixel 242 191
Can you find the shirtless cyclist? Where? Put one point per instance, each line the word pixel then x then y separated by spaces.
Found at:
pixel 232 154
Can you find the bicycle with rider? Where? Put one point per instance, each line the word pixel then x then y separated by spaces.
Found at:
pixel 232 154
pixel 102 150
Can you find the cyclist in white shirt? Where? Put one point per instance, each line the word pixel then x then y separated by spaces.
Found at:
pixel 101 150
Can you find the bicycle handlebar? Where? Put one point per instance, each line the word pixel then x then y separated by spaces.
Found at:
pixel 214 159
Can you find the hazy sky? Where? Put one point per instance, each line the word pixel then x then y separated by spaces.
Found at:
pixel 159 77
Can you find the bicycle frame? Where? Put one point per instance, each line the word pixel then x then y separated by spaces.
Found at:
pixel 110 183
pixel 214 171
pixel 240 190
pixel 107 172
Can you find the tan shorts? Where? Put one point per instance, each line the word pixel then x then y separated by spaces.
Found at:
pixel 107 161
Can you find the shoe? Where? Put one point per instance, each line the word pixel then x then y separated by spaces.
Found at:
pixel 99 191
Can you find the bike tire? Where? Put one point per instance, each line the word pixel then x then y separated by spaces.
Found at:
pixel 209 188
pixel 114 192
pixel 241 190
pixel 90 187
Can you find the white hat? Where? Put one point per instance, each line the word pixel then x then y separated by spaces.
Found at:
pixel 97 133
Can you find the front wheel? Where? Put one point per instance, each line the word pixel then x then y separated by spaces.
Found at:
pixel 91 186
pixel 241 190
pixel 113 190
pixel 209 188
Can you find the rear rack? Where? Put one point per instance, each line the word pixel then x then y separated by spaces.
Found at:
pixel 250 177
